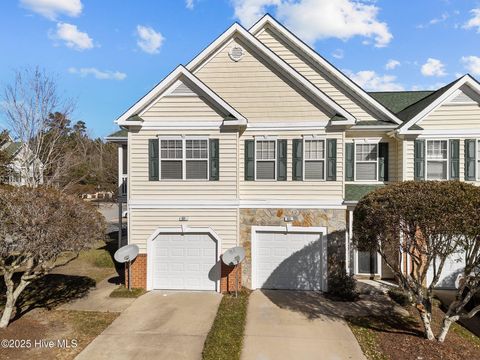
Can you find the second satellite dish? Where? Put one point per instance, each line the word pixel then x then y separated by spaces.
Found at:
pixel 234 256
pixel 126 253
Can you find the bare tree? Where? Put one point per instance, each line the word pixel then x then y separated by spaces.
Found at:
pixel 41 230
pixel 29 104
pixel 428 221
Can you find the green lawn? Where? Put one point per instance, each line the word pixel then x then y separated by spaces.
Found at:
pixel 122 292
pixel 225 339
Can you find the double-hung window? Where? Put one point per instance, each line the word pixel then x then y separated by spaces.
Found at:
pixel 437 160
pixel 184 159
pixel 366 162
pixel 478 160
pixel 265 159
pixel 314 158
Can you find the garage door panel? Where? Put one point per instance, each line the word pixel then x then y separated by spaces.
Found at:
pixel 289 260
pixel 183 262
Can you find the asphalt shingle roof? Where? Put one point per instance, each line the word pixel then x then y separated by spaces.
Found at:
pixel 355 192
pixel 119 133
pixel 396 101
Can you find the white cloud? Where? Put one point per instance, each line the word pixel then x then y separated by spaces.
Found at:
pixel 371 81
pixel 433 67
pixel 338 54
pixel 472 64
pixel 72 37
pixel 430 87
pixel 98 74
pixel 190 4
pixel 436 20
pixel 149 40
pixel 392 64
pixel 474 22
pixel 51 9
pixel 313 20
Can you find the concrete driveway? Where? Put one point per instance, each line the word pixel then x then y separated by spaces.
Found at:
pixel 289 325
pixel 158 325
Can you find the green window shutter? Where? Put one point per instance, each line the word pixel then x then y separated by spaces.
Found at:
pixel 383 161
pixel 349 162
pixel 454 159
pixel 331 159
pixel 281 160
pixel 419 160
pixel 470 149
pixel 214 155
pixel 153 160
pixel 249 160
pixel 297 159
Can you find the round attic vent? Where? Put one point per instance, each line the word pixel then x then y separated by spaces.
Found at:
pixel 236 53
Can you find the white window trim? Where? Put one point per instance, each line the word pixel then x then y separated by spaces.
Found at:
pixel 274 160
pixel 477 159
pixel 379 264
pixel 184 157
pixel 365 142
pixel 315 138
pixel 447 160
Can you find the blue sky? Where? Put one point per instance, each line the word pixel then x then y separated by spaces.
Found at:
pixel 107 54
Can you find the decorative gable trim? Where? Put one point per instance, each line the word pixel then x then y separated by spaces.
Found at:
pixel 270 56
pixel 131 116
pixel 337 74
pixel 442 99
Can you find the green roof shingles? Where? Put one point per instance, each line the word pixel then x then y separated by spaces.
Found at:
pixel 119 133
pixel 396 101
pixel 355 192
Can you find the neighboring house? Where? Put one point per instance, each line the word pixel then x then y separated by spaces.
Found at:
pixel 20 174
pixel 260 142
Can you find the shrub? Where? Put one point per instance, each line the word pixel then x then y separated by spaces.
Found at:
pixel 399 296
pixel 342 286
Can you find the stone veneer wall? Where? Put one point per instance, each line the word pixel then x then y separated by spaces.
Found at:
pixel 333 219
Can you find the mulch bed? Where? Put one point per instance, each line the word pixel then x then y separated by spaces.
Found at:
pixel 401 338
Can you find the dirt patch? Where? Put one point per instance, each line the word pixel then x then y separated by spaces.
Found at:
pixel 397 337
pixel 70 331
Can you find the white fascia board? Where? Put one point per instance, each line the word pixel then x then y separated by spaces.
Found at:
pixel 466 79
pixel 275 59
pixel 269 20
pixel 165 84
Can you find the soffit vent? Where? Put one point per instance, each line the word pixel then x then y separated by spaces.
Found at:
pixel 236 53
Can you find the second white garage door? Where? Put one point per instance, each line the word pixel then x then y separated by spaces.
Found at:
pixel 294 260
pixel 183 261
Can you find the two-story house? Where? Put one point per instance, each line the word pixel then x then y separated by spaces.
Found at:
pixel 260 142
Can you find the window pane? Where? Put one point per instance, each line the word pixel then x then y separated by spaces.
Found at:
pixel 171 149
pixel 366 171
pixel 437 170
pixel 196 149
pixel 266 170
pixel 437 149
pixel 314 170
pixel 197 169
pixel 366 152
pixel 171 170
pixel 265 150
pixel 314 149
pixel 367 262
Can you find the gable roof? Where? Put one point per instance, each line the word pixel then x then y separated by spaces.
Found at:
pixel 321 61
pixel 396 101
pixel 269 55
pixel 417 111
pixel 130 117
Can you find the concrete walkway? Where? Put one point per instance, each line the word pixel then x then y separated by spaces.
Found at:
pixel 158 325
pixel 291 325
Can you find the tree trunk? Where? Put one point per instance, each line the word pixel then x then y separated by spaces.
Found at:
pixel 12 296
pixel 447 322
pixel 427 325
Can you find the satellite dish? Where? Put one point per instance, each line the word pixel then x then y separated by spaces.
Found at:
pixel 126 253
pixel 234 256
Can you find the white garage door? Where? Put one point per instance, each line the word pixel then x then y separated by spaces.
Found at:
pixel 294 260
pixel 183 261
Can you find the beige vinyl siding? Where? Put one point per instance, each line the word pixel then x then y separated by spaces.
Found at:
pixel 140 188
pixel 143 222
pixel 394 170
pixel 298 62
pixel 292 190
pixel 453 117
pixel 254 90
pixel 181 107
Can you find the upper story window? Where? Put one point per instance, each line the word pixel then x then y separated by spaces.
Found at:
pixel 437 160
pixel 183 159
pixel 314 158
pixel 478 160
pixel 366 162
pixel 265 159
